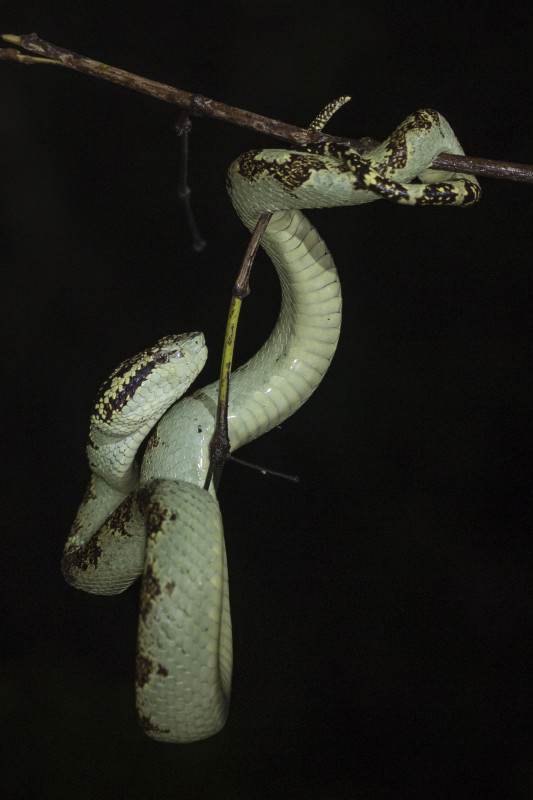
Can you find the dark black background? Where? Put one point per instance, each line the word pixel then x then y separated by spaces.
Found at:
pixel 382 608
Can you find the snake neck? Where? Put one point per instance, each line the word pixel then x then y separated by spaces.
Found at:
pixel 112 458
pixel 280 377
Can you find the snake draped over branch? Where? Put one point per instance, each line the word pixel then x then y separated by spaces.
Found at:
pixel 155 519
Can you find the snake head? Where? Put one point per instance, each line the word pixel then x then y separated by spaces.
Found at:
pixel 141 388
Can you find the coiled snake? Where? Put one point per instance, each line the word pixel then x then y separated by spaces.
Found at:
pixel 157 520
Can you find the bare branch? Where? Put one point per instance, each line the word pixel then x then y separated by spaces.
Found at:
pixel 196 105
pixel 200 106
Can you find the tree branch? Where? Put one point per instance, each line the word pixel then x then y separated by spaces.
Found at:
pixel 198 105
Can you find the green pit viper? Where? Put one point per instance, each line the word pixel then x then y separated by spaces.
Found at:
pixel 155 518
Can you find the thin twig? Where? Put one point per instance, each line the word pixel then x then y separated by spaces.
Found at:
pixel 220 443
pixel 183 126
pixel 198 105
pixel 264 470
pixel 241 287
pixel 219 452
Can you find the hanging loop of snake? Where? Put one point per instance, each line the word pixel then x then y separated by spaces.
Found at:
pixel 154 519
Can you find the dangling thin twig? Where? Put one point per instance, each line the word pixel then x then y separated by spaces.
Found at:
pixel 183 126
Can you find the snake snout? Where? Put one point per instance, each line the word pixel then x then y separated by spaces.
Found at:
pixel 194 345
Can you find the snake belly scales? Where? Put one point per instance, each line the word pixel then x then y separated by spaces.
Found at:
pixel 155 519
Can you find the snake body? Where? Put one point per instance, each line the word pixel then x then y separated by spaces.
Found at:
pixel 158 520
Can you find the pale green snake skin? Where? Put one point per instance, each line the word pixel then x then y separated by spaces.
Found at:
pixel 158 520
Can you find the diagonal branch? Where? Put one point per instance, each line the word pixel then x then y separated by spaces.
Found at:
pixel 200 106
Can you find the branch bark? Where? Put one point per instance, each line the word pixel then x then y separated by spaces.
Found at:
pixel 198 105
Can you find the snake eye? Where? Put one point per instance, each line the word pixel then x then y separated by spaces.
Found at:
pixel 164 358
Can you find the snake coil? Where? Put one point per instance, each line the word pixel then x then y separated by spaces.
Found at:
pixel 155 518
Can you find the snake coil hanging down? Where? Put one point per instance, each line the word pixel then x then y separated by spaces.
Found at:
pixel 156 519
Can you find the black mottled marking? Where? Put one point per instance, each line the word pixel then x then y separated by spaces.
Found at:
pixel 79 559
pixel 109 400
pixel 296 170
pixel 151 588
pixel 472 193
pixel 148 727
pixel 390 190
pixel 140 366
pixel 370 178
pixel 153 442
pixel 446 194
pixel 161 670
pixel 88 497
pixel 367 177
pixel 352 162
pixel 438 194
pixel 143 669
pixel 154 521
pixel 423 119
pixel 291 173
pixel 119 521
pixel 155 513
